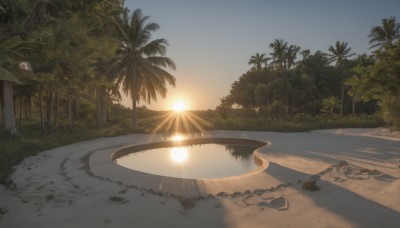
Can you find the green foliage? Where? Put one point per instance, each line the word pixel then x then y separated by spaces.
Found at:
pixel 384 35
pixel 329 105
pixel 299 124
pixel 258 60
pixel 391 111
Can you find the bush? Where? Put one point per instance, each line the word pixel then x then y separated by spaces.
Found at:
pixel 391 111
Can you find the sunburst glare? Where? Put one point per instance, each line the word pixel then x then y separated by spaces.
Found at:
pixel 177 126
pixel 179 106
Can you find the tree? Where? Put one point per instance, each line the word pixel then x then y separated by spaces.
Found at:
pixel 360 89
pixel 386 34
pixel 291 55
pixel 385 77
pixel 141 61
pixel 323 79
pixel 338 54
pixel 305 53
pixel 279 50
pixel 11 50
pixel 105 88
pixel 257 61
pixel 357 89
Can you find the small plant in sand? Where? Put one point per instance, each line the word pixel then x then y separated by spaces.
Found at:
pixel 310 185
pixel 187 203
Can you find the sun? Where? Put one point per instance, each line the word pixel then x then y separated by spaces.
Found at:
pixel 179 106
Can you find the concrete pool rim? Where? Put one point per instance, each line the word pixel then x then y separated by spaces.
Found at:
pixel 102 165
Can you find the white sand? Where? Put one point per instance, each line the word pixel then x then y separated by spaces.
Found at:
pixel 59 188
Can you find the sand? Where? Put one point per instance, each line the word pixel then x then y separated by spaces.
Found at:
pixel 356 172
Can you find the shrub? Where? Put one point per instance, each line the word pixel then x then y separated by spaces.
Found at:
pixel 310 185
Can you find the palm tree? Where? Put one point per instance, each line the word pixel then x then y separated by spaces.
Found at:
pixel 305 53
pixel 386 34
pixel 279 49
pixel 257 61
pixel 141 62
pixel 291 55
pixel 105 88
pixel 338 54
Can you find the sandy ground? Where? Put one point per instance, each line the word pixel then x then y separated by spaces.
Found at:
pixel 357 171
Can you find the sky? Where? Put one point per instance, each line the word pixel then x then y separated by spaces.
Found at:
pixel 211 41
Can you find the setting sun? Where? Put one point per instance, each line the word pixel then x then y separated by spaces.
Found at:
pixel 179 106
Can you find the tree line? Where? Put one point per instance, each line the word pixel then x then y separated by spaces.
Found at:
pixel 65 60
pixel 336 83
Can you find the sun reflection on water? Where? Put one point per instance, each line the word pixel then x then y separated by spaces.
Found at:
pixel 179 154
pixel 177 137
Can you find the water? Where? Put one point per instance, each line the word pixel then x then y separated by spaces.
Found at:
pixel 201 161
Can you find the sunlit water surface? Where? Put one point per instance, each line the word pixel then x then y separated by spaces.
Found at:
pixel 202 161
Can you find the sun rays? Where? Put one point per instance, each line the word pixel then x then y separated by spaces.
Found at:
pixel 180 122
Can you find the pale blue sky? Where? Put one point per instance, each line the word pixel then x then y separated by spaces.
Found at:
pixel 211 41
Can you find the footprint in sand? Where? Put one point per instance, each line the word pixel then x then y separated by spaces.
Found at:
pixel 378 175
pixel 280 203
pixel 117 200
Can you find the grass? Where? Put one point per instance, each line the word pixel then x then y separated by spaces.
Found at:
pixel 295 124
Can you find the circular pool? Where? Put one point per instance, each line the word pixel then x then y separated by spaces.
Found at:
pixel 204 158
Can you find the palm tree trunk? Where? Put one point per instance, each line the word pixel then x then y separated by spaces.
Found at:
pixel 1 112
pixel 134 112
pixel 70 117
pixel 104 112
pixel 50 108
pixel 26 107
pixel 9 118
pixel 75 109
pixel 21 101
pixel 56 110
pixel 341 94
pixel 341 100
pixel 41 110
pixel 100 106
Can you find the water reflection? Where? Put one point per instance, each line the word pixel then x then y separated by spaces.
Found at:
pixel 195 161
pixel 177 137
pixel 179 154
pixel 239 151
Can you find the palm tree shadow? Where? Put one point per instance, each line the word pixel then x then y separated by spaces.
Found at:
pixel 349 205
